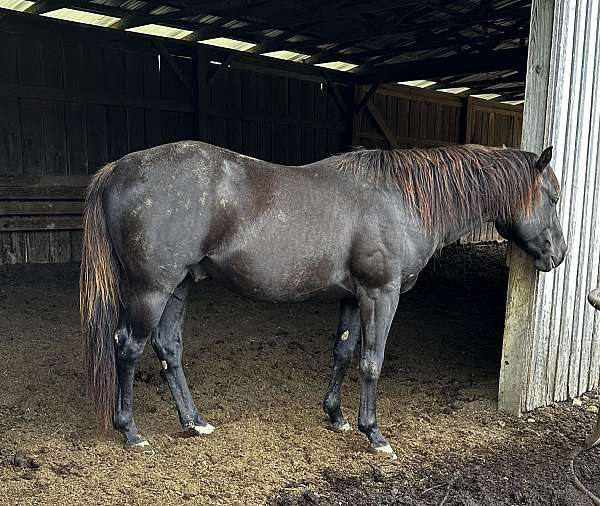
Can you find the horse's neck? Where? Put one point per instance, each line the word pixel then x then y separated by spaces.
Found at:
pixel 455 233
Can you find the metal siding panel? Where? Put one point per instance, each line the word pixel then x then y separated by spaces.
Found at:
pixel 566 355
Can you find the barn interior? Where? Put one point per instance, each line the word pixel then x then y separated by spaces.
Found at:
pixel 85 82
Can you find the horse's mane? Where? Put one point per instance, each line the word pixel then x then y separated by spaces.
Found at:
pixel 451 185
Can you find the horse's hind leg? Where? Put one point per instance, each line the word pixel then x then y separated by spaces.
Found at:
pixel 167 343
pixel 347 335
pixel 139 319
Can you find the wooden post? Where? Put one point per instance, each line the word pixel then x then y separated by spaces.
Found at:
pixel 203 92
pixel 522 281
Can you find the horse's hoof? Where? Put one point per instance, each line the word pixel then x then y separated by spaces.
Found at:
pixel 141 446
pixel 198 430
pixel 385 451
pixel 344 427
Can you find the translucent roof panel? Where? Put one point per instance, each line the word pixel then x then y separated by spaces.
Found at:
pixel 15 5
pixel 419 83
pixel 240 45
pixel 88 18
pixel 161 31
pixel 287 55
pixel 454 91
pixel 514 102
pixel 337 65
pixel 486 96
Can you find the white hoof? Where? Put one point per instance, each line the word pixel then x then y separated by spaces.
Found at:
pixel 200 429
pixel 387 451
pixel 344 428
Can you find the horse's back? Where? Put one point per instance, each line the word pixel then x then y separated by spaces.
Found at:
pixel 254 222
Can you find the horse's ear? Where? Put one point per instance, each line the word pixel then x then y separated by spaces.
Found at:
pixel 544 159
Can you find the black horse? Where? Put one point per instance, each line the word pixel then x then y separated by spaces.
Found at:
pixel 358 227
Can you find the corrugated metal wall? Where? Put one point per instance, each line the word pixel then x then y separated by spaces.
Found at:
pixel 566 355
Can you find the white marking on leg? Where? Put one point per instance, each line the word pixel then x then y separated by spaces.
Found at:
pixel 164 364
pixel 345 335
pixel 117 338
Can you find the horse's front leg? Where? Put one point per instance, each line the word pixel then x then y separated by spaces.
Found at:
pixel 347 335
pixel 377 309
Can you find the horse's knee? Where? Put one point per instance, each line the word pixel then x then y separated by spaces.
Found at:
pixel 370 369
pixel 168 350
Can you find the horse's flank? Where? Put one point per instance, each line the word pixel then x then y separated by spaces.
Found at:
pixel 451 185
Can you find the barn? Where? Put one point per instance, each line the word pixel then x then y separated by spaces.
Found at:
pixel 84 82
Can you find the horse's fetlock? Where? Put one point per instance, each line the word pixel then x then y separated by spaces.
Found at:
pixel 121 421
pixel 365 426
pixel 331 404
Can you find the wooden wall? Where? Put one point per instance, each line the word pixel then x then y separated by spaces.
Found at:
pixel 493 123
pixel 415 118
pixel 420 118
pixel 276 118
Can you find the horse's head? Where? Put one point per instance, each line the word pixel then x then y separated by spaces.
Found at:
pixel 537 230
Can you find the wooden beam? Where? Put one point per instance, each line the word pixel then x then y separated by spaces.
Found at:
pixel 518 339
pixel 45 208
pixel 225 64
pixel 337 96
pixel 367 97
pixel 286 20
pixel 92 97
pixel 55 222
pixel 202 94
pixel 275 118
pixel 354 37
pixel 213 29
pixel 443 41
pixel 385 130
pixel 43 6
pixel 164 52
pixel 507 59
pixel 136 18
pixel 516 77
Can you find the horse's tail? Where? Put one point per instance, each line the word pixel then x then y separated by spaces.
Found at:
pixel 100 301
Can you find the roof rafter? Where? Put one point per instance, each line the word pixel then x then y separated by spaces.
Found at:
pixel 507 59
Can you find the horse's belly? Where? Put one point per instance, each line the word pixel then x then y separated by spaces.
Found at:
pixel 273 280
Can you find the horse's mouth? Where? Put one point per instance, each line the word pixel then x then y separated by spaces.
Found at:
pixel 545 264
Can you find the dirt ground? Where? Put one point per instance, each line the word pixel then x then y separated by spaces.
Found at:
pixel 258 373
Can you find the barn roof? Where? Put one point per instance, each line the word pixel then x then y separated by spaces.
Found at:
pixel 480 45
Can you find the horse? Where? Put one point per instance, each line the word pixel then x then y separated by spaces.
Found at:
pixel 357 227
